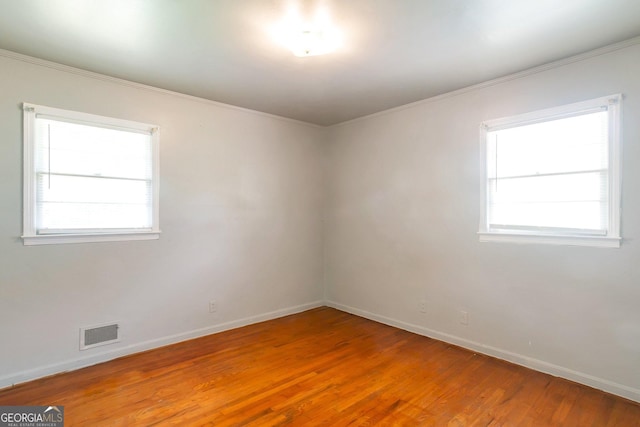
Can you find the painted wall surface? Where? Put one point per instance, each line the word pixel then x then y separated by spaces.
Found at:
pixel 402 216
pixel 240 213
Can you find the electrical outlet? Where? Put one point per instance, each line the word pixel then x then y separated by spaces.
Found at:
pixel 213 306
pixel 423 306
pixel 464 317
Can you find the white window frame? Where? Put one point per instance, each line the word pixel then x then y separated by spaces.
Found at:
pixel 612 239
pixel 30 233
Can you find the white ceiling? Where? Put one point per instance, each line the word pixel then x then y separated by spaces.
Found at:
pixel 394 51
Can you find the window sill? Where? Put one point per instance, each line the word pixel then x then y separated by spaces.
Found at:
pixel 594 241
pixel 54 239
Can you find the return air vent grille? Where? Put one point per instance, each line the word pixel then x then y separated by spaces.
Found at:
pixel 99 335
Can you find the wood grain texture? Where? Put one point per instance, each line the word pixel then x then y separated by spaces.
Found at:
pixel 319 368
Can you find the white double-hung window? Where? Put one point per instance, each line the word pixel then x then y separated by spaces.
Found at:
pixel 88 178
pixel 553 176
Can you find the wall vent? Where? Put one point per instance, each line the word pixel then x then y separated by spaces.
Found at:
pixel 94 336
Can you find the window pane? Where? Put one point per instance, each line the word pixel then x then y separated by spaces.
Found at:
pixel 72 148
pixel 567 201
pixel 566 145
pixel 569 215
pixel 96 216
pixel 86 202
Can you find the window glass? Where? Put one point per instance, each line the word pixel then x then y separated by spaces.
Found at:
pixel 553 173
pixel 88 175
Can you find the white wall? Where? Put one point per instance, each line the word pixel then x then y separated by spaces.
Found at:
pixel 402 216
pixel 240 210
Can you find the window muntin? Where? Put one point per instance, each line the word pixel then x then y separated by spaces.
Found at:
pixel 88 178
pixel 553 175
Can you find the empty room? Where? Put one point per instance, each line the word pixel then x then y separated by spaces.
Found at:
pixel 320 212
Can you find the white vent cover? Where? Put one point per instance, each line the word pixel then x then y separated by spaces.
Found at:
pixel 94 336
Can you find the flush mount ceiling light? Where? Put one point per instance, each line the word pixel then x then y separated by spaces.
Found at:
pixel 308 38
pixel 310 42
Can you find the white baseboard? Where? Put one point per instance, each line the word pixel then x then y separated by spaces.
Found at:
pixel 82 362
pixel 538 365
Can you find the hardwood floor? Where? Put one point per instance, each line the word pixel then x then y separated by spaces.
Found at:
pixel 319 368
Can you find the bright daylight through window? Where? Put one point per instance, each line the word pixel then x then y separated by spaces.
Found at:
pixel 553 176
pixel 88 178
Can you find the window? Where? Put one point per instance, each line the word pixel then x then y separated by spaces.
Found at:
pixel 88 178
pixel 553 176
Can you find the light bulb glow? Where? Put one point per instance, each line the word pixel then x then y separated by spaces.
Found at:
pixel 313 42
pixel 317 37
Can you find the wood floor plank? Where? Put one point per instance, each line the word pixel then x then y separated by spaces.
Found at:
pixel 322 367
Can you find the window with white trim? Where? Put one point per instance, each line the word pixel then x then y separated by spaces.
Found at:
pixel 553 176
pixel 88 178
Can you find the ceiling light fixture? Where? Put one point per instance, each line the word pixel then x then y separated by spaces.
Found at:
pixel 317 37
pixel 311 42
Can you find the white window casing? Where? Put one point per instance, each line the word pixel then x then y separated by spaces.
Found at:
pixel 553 176
pixel 88 178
